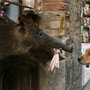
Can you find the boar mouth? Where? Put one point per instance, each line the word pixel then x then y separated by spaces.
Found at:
pixel 43 55
pixel 53 43
pixel 59 45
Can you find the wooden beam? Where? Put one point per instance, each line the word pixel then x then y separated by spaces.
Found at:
pixel 20 8
pixel 18 4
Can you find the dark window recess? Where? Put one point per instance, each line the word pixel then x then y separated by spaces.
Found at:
pixel 21 79
pixel 19 76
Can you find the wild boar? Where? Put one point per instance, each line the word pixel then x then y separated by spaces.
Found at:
pixel 26 36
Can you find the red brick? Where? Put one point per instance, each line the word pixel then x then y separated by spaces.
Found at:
pixel 55 6
pixel 54 0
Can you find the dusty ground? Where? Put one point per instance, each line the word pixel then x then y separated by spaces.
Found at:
pixel 87 86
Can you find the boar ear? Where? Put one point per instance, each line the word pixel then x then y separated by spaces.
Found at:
pixel 21 19
pixel 29 17
pixel 34 17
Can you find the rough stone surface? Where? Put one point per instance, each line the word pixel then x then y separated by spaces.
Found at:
pixel 68 76
pixel 55 24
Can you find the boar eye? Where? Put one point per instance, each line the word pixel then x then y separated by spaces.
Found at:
pixel 39 34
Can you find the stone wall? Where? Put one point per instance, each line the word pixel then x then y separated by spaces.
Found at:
pixel 68 76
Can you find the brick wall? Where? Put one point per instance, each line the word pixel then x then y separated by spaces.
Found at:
pixel 68 76
pixel 52 9
pixel 55 5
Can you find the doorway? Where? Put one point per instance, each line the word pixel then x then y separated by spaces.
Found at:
pixel 19 75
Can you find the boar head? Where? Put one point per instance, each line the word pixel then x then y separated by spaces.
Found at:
pixel 41 45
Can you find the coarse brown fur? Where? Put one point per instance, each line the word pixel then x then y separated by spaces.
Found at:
pixel 14 39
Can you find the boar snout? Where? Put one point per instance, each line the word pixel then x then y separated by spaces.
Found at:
pixel 58 44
